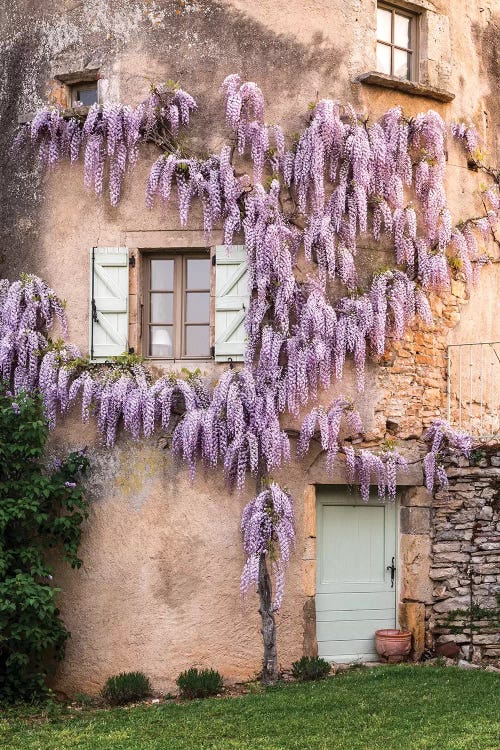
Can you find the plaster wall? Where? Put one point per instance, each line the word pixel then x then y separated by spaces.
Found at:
pixel 159 588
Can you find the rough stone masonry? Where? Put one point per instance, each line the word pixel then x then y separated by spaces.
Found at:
pixel 466 557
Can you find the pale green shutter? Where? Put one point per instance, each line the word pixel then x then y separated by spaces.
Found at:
pixel 231 302
pixel 108 302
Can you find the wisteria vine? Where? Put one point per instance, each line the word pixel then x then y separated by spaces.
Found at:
pixel 341 179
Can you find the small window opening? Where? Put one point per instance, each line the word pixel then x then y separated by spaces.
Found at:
pixel 84 93
pixel 396 41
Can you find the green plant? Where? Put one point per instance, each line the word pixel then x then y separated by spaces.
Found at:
pixel 310 668
pixel 194 683
pixel 126 687
pixel 85 700
pixel 41 509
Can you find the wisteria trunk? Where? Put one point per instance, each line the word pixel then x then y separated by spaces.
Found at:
pixel 265 589
pixel 270 660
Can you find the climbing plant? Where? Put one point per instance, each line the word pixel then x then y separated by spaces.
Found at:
pixel 307 201
pixel 41 509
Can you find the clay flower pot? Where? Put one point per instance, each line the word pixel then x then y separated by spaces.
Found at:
pixel 393 646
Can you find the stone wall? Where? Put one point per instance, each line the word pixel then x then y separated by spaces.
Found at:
pixel 466 555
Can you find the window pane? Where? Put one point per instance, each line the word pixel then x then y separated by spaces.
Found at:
pixel 401 63
pixel 384 59
pixel 384 20
pixel 197 307
pixel 162 307
pixel 161 341
pixel 197 341
pixel 402 31
pixel 198 273
pixel 162 274
pixel 86 95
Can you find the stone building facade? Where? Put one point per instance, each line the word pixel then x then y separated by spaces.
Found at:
pixel 162 556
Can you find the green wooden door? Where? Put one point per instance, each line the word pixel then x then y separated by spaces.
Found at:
pixel 354 595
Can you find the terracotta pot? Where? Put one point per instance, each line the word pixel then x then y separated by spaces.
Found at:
pixel 393 645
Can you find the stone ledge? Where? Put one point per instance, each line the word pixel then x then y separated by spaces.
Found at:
pixel 472 471
pixel 406 87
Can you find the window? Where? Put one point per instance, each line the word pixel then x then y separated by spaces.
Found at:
pixel 177 306
pixel 396 42
pixel 84 93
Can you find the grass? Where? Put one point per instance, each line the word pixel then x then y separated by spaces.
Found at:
pixel 385 708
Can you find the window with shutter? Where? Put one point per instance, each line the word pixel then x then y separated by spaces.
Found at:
pixel 109 290
pixel 231 302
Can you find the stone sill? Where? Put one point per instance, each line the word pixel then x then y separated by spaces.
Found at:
pixel 78 112
pixel 406 87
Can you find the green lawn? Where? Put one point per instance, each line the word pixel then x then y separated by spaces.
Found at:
pixel 385 708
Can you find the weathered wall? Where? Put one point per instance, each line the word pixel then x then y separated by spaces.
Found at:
pixel 466 556
pixel 159 590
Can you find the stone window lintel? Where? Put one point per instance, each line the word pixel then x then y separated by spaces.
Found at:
pixel 88 75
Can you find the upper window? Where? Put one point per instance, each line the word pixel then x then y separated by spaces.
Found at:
pixel 396 41
pixel 84 93
pixel 177 306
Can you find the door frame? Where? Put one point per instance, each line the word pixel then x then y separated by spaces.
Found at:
pixel 310 643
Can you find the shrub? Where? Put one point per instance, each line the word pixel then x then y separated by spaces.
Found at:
pixel 201 683
pixel 126 687
pixel 310 668
pixel 41 508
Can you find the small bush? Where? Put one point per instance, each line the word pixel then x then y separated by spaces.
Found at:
pixel 310 668
pixel 126 687
pixel 201 683
pixel 85 700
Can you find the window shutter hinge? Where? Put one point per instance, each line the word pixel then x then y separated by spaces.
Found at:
pixel 131 261
pixel 131 350
pixel 212 351
pixel 213 260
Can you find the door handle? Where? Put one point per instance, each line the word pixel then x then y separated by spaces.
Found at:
pixel 392 568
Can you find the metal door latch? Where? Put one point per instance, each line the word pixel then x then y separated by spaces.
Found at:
pixel 392 568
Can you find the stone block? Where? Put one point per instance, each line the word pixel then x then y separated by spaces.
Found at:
pixel 415 562
pixel 310 511
pixel 310 644
pixel 309 577
pixel 457 602
pixel 451 557
pixel 412 618
pixel 415 520
pixel 446 547
pixel 441 574
pixel 309 549
pixel 487 639
pixel 416 496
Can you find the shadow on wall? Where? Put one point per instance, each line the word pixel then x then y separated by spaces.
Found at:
pixel 196 43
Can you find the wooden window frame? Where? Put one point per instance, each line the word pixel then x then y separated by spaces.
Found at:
pixel 414 19
pixel 179 292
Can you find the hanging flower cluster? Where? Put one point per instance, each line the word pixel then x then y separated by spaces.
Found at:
pixel 442 437
pixel 267 528
pixel 120 393
pixel 328 421
pixel 366 468
pixel 108 135
pixel 239 428
pixel 212 181
pixel 28 311
pixel 245 116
